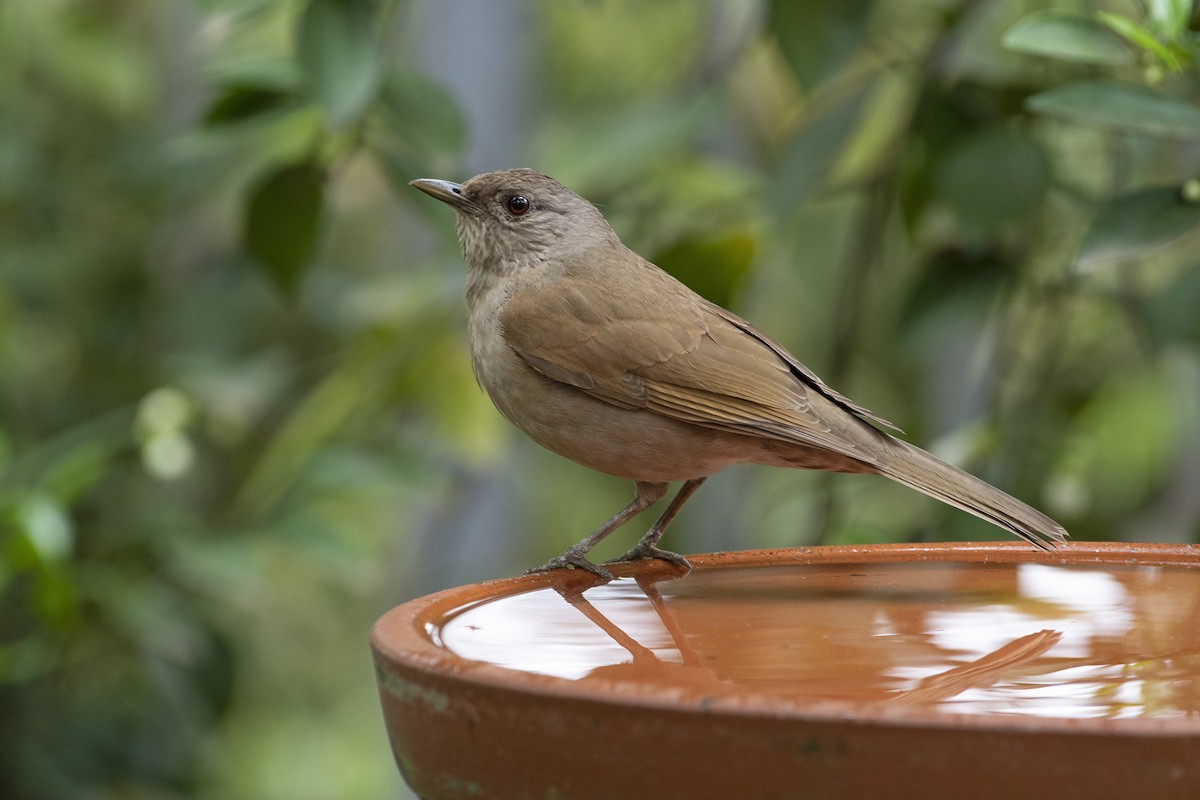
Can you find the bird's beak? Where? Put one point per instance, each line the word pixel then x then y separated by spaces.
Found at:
pixel 449 193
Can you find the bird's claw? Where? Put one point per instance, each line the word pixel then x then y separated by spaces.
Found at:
pixel 572 559
pixel 643 551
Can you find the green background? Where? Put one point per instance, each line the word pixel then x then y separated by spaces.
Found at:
pixel 237 419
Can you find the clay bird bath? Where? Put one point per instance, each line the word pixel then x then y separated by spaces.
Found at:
pixel 938 671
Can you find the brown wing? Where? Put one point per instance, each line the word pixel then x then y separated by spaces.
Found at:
pixel 665 349
pixel 802 371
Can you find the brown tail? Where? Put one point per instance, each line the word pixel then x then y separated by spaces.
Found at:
pixel 926 473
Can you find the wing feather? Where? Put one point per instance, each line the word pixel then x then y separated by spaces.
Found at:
pixel 667 350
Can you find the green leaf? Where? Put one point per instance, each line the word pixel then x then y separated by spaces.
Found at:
pixel 1124 440
pixel 422 131
pixel 607 149
pixel 1171 314
pixel 47 526
pixel 955 283
pixel 816 39
pixel 239 103
pixel 339 54
pixel 1067 35
pixel 1169 16
pixel 250 87
pixel 813 151
pixel 273 72
pixel 281 221
pixel 1143 38
pixel 1132 224
pixel 1124 106
pixel 992 178
pixel 716 266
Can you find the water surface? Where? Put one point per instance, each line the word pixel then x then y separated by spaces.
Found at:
pixel 1023 639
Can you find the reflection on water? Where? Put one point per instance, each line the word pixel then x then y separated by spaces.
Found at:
pixel 1028 639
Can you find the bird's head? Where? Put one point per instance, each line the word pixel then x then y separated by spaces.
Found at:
pixel 517 217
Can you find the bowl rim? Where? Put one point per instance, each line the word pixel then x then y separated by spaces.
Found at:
pixel 405 650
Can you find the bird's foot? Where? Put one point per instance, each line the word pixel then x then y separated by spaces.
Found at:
pixel 641 551
pixel 572 559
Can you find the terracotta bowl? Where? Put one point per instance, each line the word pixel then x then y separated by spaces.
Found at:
pixel 932 671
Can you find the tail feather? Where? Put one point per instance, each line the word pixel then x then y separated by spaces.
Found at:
pixel 926 473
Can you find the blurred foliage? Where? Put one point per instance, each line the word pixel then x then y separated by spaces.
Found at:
pixel 237 419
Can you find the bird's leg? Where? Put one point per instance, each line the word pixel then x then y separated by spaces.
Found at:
pixel 647 495
pixel 648 547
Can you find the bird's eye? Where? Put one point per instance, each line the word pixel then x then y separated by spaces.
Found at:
pixel 518 204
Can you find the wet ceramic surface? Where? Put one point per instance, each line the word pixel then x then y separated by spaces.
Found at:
pixel 982 671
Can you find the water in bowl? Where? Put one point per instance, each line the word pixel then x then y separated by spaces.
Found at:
pixel 1098 641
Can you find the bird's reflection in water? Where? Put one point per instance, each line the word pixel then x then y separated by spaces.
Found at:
pixel 972 638
pixel 645 665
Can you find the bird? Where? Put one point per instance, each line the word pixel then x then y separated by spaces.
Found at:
pixel 600 356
